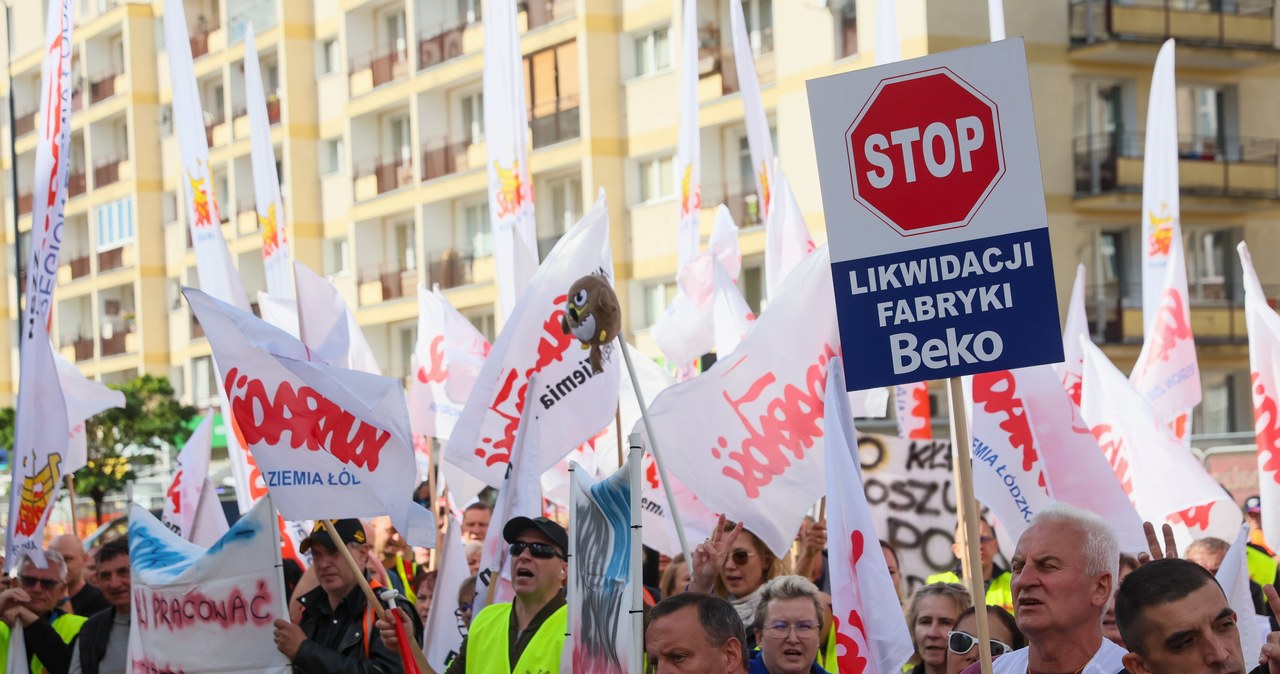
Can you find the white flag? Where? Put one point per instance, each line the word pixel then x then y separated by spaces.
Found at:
pixel 446 361
pixel 190 474
pixel 328 327
pixel 731 315
pixel 1233 576
pixel 332 443
pixel 201 610
pixel 787 239
pixel 1264 367
pixel 444 630
pixel 1167 372
pixel 689 144
pixel 266 184
pixel 40 436
pixel 888 44
pixel 748 431
pixel 210 523
pixel 280 312
pixel 17 662
pixel 1075 327
pixel 1164 481
pixel 519 495
pixel 85 399
pixel 911 407
pixel 868 640
pixel 759 140
pixel 573 402
pixel 506 125
pixel 686 330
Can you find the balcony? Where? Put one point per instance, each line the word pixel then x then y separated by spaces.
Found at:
pixel 103 86
pixel 385 282
pixel 197 330
pixel 77 97
pixel 555 121
pixel 717 74
pixel 115 337
pixel 443 45
pixel 741 199
pixel 377 69
pixel 848 33
pixel 1109 166
pixel 246 216
pixel 107 173
pixel 1217 311
pixel 110 260
pixel 273 109
pixel 543 12
pixel 213 123
pixel 446 156
pixel 25 202
pixel 1100 28
pixel 200 40
pixel 378 177
pixel 450 268
pixel 79 266
pixel 81 348
pixel 24 123
pixel 77 182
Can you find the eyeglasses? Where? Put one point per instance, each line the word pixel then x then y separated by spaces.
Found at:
pixel 961 642
pixel 804 628
pixel 30 582
pixel 986 539
pixel 740 556
pixel 538 550
pixel 461 611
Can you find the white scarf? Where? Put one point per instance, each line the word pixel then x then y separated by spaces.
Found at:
pixel 746 607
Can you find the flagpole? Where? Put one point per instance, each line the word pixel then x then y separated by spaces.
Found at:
pixel 968 516
pixel 275 536
pixel 634 455
pixel 71 501
pixel 653 447
pixel 573 606
pixel 433 505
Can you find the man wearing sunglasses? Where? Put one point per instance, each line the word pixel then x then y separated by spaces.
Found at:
pixel 994 578
pixel 48 631
pixel 526 635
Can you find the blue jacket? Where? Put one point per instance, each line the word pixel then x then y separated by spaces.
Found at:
pixel 757 666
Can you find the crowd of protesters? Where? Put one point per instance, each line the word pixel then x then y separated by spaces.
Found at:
pixel 1069 601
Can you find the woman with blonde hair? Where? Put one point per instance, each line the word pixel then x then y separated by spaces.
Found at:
pixel 932 613
pixel 734 564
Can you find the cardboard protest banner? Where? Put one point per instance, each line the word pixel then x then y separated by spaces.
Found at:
pixel 206 610
pixel 599 588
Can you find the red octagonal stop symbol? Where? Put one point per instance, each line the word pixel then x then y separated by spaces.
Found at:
pixel 925 151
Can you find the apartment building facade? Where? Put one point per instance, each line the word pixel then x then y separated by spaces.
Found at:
pixel 377 119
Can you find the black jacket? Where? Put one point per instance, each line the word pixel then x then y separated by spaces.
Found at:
pixel 93 639
pixel 337 637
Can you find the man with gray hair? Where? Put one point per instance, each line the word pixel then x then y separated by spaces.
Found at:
pixel 1064 569
pixel 48 632
pixel 788 627
pixel 694 633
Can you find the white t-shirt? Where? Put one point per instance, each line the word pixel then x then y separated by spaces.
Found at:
pixel 1107 660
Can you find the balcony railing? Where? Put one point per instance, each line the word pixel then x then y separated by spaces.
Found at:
pixel 450 267
pixel 79 265
pixel 273 109
pixel 82 346
pixel 391 175
pixel 103 86
pixel 396 282
pixel 109 260
pixel 200 40
pixel 1216 303
pixel 77 97
pixel 1210 166
pixel 24 123
pixel 77 182
pixel 106 173
pixel 213 119
pixel 554 122
pixel 543 12
pixel 197 330
pixel 25 202
pixel 716 58
pixel 444 156
pixel 115 344
pixel 440 46
pixel 384 66
pixel 741 199
pixel 1236 23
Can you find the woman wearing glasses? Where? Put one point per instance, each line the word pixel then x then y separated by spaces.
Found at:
pixel 734 564
pixel 962 642
pixel 933 612
pixel 787 626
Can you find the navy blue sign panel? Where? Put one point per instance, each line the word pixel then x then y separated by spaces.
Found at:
pixel 949 310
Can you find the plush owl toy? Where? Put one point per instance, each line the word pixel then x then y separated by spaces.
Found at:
pixel 593 316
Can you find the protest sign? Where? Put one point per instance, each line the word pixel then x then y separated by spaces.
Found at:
pixel 599 572
pixel 936 220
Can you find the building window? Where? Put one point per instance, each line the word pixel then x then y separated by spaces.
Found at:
pixel 473 118
pixel 408 336
pixel 1207 127
pixel 479 232
pixel 336 256
pixel 1227 406
pixel 483 322
pixel 656 178
pixel 169 207
pixel 1213 270
pixel 657 298
pixel 330 57
pixel 566 208
pixel 406 251
pixel 653 51
pixel 1115 261
pixel 469 10
pixel 759 16
pixel 331 156
pixel 847 28
pixel 203 386
pixel 115 224
pixel 751 281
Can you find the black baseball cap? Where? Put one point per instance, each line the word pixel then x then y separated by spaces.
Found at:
pixel 1253 504
pixel 552 530
pixel 349 530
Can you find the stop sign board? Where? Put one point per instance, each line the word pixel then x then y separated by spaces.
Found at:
pixel 935 217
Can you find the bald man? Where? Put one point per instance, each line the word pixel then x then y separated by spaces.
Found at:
pixel 86 599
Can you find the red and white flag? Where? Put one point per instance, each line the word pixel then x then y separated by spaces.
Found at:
pixel 1163 479
pixel 1264 375
pixel 787 238
pixel 689 144
pixel 506 125
pixel 328 327
pixel 731 315
pixel 332 443
pixel 189 476
pixel 519 495
pixel 911 407
pixel 748 431
pixel 573 402
pixel 868 640
pixel 40 437
pixel 266 183
pixel 446 361
pixel 444 630
pixel 686 330
pixel 1167 372
pixel 1233 577
pixel 85 398
pixel 1075 327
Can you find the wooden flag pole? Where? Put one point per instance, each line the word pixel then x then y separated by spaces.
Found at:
pixel 617 427
pixel 967 512
pixel 433 506
pixel 71 501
